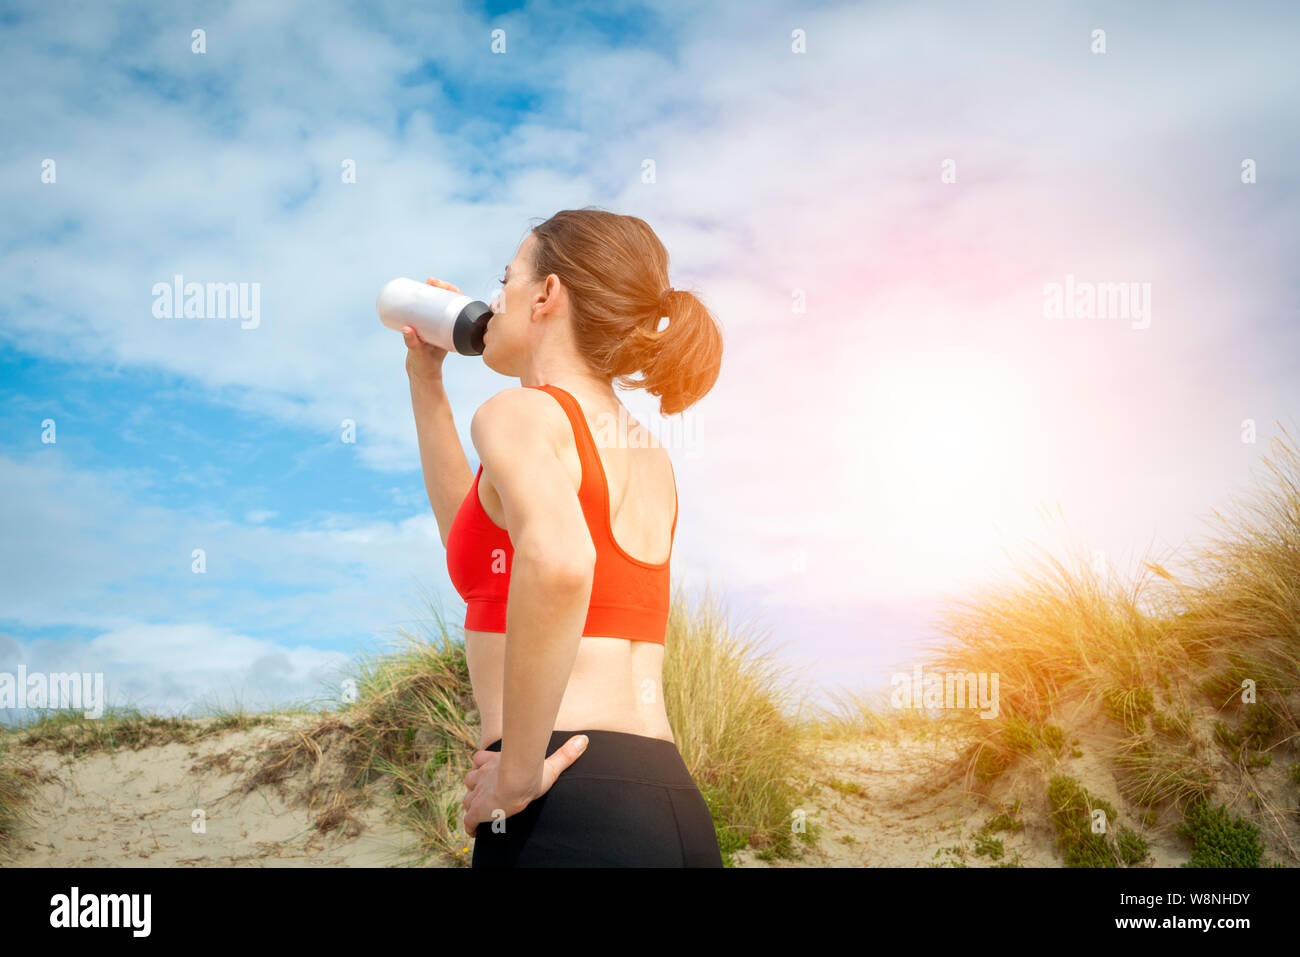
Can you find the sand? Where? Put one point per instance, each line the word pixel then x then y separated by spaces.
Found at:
pixel 136 808
pixel 876 801
pixel 879 806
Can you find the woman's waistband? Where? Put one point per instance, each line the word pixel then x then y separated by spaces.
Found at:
pixel 622 755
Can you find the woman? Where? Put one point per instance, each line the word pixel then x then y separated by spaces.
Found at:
pixel 560 545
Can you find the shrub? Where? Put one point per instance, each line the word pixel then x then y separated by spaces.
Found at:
pixel 1218 841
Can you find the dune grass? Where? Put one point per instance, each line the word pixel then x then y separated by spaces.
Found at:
pixel 17 778
pixel 1190 681
pixel 402 721
pixel 728 702
pixel 70 732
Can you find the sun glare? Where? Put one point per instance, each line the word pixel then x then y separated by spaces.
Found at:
pixel 943 442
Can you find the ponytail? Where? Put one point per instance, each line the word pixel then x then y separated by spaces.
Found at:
pixel 678 352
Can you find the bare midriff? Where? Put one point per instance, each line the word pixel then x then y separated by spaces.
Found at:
pixel 616 685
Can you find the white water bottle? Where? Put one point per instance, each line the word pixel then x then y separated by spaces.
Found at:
pixel 442 318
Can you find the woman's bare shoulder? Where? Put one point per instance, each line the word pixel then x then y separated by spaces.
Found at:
pixel 513 415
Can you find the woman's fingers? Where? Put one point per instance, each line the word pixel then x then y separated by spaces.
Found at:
pixel 564 756
pixel 412 339
pixel 440 284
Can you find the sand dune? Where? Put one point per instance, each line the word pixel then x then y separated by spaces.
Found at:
pixel 133 808
pixel 874 799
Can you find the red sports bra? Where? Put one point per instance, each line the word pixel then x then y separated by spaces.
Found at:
pixel 629 597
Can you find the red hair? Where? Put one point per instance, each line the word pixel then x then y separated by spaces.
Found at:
pixel 616 272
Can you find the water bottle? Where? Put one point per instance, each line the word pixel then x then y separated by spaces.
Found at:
pixel 442 318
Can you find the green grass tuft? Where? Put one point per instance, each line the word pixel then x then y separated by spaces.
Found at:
pixel 1218 841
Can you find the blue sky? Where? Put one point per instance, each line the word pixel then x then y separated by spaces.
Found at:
pixel 859 459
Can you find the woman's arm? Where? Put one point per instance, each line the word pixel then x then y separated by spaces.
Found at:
pixel 516 434
pixel 447 475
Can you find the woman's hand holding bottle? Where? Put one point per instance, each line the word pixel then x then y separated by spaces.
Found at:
pixel 424 361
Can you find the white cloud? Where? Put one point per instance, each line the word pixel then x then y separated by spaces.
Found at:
pixel 181 667
pixel 81 552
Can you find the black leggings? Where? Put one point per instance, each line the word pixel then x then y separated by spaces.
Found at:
pixel 627 801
